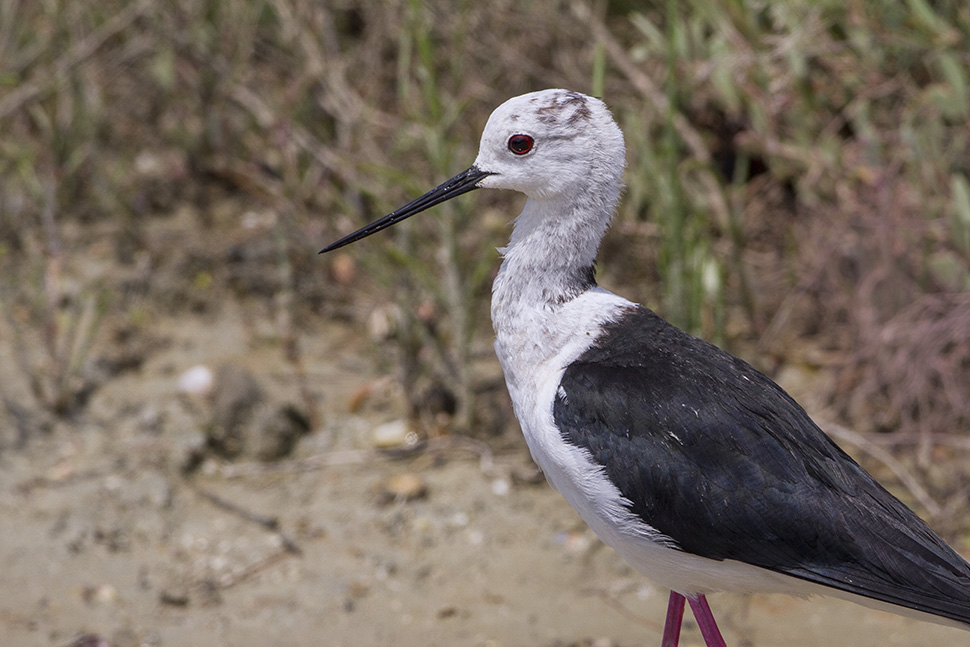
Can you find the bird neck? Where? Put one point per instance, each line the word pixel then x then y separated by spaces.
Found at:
pixel 549 259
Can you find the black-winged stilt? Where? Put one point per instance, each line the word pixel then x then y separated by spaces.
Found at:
pixel 699 470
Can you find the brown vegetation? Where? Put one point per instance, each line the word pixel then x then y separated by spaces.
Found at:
pixel 797 180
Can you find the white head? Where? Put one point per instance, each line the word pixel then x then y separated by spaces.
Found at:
pixel 551 144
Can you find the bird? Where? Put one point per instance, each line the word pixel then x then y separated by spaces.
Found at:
pixel 700 471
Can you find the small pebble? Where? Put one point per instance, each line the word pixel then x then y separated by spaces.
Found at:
pixel 500 487
pixel 103 594
pixel 394 434
pixel 403 487
pixel 197 380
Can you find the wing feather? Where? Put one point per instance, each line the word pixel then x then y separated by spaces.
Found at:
pixel 713 454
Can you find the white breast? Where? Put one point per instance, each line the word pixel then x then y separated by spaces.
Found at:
pixel 535 344
pixel 534 351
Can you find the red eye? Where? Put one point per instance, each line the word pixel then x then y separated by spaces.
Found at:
pixel 520 144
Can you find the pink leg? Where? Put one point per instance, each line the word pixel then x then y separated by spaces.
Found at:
pixel 705 620
pixel 675 615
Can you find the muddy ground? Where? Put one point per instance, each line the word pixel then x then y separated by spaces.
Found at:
pixel 106 539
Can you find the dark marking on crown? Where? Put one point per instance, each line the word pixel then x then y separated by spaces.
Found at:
pixel 579 109
pixel 582 111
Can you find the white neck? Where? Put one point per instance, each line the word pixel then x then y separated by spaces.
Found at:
pixel 551 253
pixel 546 309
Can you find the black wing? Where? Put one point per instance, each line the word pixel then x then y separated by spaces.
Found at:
pixel 718 457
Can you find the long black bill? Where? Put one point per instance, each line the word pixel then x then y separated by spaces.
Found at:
pixel 464 182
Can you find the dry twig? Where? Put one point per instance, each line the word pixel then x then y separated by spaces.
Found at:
pixel 270 523
pixel 77 54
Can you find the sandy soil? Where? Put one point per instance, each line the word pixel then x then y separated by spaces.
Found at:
pixel 103 538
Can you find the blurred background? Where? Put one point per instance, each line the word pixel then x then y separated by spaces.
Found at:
pixel 209 433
